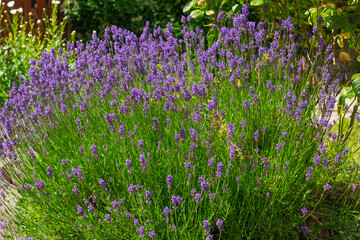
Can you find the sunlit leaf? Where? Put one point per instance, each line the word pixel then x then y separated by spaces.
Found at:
pixel 188 6
pixel 257 2
pixel 210 12
pixel 340 41
pixel 345 58
pixel 196 14
pixel 234 7
pixel 355 76
pixel 356 85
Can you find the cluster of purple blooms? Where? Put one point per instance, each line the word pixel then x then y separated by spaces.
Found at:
pixel 112 82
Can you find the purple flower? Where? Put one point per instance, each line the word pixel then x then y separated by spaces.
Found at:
pixel 102 183
pixel 211 162
pixel 108 218
pixel 148 194
pixel 232 154
pixel 245 10
pixel 231 129
pixel 142 231
pixel 94 149
pixel 176 200
pixel 197 197
pixel 64 162
pixel 76 190
pixel 317 159
pixel 49 172
pixel 304 211
pixel 169 181
pixel 309 173
pixel 256 135
pixel 152 234
pixel 284 134
pixel 131 189
pixel 219 223
pixel 128 165
pixel 188 166
pixel 27 186
pixel 322 148
pixel 91 208
pixel 115 204
pixel 246 104
pixel 206 226
pixel 212 196
pixel 141 144
pixel 166 211
pixel 80 210
pixel 305 230
pixel 327 187
pixel 243 124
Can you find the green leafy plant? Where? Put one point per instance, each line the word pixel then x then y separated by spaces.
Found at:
pixel 210 10
pixel 25 39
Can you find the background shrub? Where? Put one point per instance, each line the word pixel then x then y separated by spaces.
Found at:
pixel 87 16
pixel 26 39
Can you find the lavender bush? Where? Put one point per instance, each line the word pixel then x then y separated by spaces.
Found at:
pixel 157 137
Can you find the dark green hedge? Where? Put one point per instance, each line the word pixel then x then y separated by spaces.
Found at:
pixel 89 15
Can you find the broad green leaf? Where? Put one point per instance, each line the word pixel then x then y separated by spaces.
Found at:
pixel 336 22
pixel 356 86
pixel 355 76
pixel 345 57
pixel 257 2
pixel 358 58
pixel 241 2
pixel 188 6
pixel 348 92
pixel 349 28
pixel 196 14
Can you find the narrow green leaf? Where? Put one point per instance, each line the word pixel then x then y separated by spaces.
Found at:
pixel 234 7
pixel 212 36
